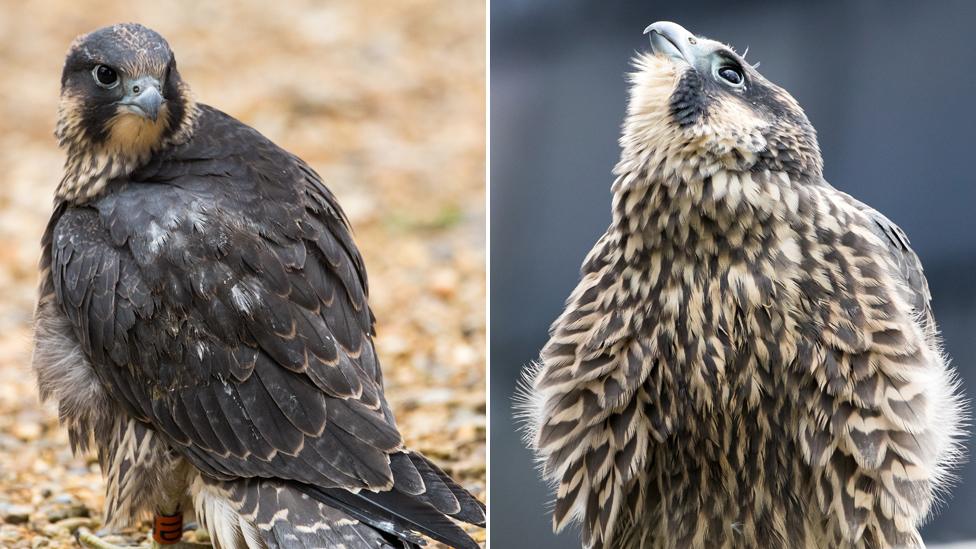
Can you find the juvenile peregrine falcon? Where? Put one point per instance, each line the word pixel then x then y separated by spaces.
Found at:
pixel 750 358
pixel 203 324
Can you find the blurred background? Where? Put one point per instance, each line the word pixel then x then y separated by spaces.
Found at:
pixel 890 87
pixel 386 100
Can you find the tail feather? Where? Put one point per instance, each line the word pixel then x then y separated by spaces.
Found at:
pixel 395 513
pixel 424 500
pixel 436 491
pixel 469 508
pixel 270 513
pixel 273 514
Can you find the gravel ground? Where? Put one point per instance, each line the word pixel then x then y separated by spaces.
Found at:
pixel 385 99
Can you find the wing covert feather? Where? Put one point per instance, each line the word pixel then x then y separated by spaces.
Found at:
pixel 229 311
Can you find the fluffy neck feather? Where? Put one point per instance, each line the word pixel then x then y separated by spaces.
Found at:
pixel 130 143
pixel 678 185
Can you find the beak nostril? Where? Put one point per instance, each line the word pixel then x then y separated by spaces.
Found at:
pixel 691 40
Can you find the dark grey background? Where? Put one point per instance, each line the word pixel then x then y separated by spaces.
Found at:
pixel 889 85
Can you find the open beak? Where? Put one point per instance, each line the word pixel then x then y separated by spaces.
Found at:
pixel 143 97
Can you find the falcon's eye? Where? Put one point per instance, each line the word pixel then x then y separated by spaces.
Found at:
pixel 105 76
pixel 732 75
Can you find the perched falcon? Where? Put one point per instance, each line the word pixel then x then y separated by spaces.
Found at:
pixel 750 358
pixel 203 324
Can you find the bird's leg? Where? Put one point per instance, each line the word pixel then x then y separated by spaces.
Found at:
pixel 167 529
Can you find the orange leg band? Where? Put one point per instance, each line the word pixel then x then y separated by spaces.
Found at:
pixel 168 529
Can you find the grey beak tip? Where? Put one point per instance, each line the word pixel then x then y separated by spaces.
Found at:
pixel 664 27
pixel 150 102
pixel 144 97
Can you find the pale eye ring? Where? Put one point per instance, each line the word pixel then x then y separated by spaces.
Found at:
pixel 105 76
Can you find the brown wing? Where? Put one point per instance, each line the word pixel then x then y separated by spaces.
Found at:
pixel 881 409
pixel 599 399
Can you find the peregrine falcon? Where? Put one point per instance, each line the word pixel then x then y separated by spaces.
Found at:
pixel 203 325
pixel 750 358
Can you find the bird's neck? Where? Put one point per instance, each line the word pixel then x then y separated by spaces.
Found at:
pixel 130 143
pixel 87 172
pixel 691 236
pixel 701 210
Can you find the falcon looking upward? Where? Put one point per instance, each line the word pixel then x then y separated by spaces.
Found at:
pixel 750 358
pixel 203 324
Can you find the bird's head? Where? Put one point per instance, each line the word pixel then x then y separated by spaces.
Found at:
pixel 697 106
pixel 121 99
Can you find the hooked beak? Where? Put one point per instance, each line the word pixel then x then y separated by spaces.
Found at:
pixel 143 97
pixel 673 40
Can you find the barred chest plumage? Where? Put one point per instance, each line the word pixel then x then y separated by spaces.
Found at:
pixel 701 386
pixel 701 291
pixel 750 358
pixel 711 277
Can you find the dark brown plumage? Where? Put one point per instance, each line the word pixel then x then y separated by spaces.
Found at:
pixel 203 323
pixel 750 358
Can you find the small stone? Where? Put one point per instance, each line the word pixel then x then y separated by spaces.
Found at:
pixel 15 514
pixel 60 513
pixel 64 499
pixel 9 534
pixel 8 442
pixel 393 344
pixel 465 356
pixel 27 430
pixel 40 541
pixel 72 524
pixel 444 283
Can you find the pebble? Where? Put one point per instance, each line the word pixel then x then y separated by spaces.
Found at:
pixel 8 442
pixel 63 499
pixel 15 514
pixel 62 512
pixel 444 282
pixel 465 356
pixel 27 430
pixel 72 524
pixel 9 534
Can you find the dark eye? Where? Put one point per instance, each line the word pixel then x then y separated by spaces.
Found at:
pixel 731 75
pixel 105 76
